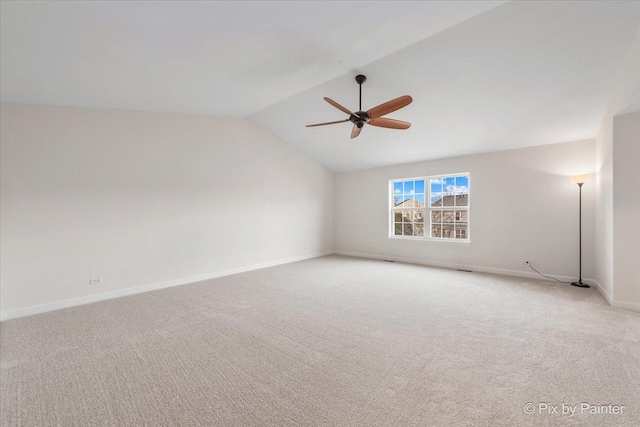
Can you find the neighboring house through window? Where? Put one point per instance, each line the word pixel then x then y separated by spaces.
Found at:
pixel 434 207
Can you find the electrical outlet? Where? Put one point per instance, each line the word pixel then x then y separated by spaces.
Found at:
pixel 95 281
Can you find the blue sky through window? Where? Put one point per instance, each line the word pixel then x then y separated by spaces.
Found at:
pixel 462 184
pixel 397 188
pixel 449 185
pixel 415 189
pixel 410 189
pixel 458 184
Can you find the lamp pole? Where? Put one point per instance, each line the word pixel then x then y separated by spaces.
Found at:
pixel 579 282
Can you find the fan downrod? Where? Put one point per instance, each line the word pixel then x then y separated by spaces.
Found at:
pixel 360 79
pixel 361 117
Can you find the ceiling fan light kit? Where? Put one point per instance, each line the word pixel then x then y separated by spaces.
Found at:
pixel 372 116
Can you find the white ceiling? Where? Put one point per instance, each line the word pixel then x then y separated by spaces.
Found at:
pixel 224 58
pixel 484 76
pixel 522 74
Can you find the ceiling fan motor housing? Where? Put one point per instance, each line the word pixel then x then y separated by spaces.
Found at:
pixel 360 118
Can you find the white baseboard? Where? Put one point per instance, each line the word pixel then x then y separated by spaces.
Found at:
pixel 632 306
pixel 505 272
pixel 626 305
pixel 532 275
pixel 57 305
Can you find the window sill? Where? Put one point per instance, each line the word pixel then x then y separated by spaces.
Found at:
pixel 431 239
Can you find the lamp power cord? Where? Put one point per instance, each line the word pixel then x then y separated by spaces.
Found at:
pixel 543 275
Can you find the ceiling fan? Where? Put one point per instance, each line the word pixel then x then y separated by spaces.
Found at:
pixel 372 116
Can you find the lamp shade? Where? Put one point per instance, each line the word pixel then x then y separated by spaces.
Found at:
pixel 580 179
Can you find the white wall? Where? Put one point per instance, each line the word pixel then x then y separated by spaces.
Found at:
pixel 625 98
pixel 626 210
pixel 147 198
pixel 523 206
pixel 604 208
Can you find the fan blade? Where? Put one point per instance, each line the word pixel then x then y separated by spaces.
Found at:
pixel 389 106
pixel 383 122
pixel 327 123
pixel 338 106
pixel 355 131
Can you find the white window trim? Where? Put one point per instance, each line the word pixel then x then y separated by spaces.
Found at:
pixel 428 208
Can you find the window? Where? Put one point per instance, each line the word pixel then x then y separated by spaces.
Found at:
pixel 435 207
pixel 408 213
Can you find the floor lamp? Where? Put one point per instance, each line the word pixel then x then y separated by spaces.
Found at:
pixel 580 179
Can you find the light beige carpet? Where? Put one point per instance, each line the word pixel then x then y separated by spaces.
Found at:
pixel 334 341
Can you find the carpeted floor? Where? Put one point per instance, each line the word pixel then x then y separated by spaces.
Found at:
pixel 334 341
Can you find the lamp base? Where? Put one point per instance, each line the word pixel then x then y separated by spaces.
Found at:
pixel 580 284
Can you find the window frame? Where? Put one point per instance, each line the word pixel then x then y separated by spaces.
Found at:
pixel 428 209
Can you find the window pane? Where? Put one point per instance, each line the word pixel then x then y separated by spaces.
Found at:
pixel 462 184
pixel 436 216
pixel 447 216
pixel 397 229
pixel 461 231
pixel 410 202
pixel 436 231
pixel 462 216
pixel 408 229
pixel 462 200
pixel 413 216
pixel 419 198
pixel 397 188
pixel 418 230
pixel 408 187
pixel 436 199
pixel 449 185
pixel 447 231
pixel 419 187
pixel 397 217
pixel 402 202
pixel 436 185
pixel 448 199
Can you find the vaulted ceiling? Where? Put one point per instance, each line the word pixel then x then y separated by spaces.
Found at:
pixel 484 76
pixel 223 58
